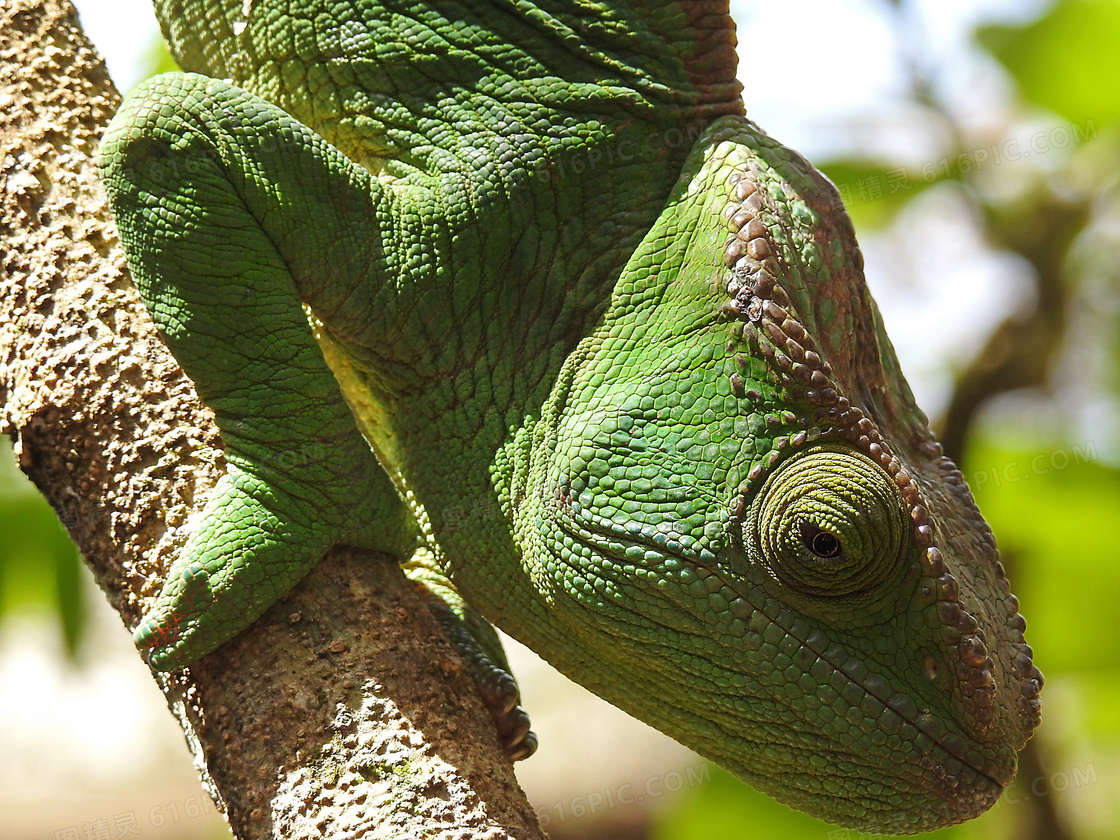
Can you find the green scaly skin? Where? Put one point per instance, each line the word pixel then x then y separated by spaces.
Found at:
pixel 595 355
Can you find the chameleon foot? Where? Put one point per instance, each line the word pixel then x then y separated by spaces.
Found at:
pixel 495 683
pixel 478 643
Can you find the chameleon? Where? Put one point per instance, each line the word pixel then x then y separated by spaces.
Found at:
pixel 514 292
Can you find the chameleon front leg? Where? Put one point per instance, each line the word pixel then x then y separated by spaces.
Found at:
pixel 230 210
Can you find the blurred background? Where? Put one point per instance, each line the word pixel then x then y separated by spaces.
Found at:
pixel 977 146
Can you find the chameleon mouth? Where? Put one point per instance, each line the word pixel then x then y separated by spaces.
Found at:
pixel 958 777
pixel 961 773
pixel 953 766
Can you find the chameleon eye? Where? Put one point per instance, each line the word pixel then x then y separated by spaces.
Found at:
pixel 829 521
pixel 822 543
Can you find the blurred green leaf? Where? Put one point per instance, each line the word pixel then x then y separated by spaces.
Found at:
pixel 1052 510
pixel 726 809
pixel 1100 708
pixel 1066 61
pixel 159 60
pixel 875 191
pixel 39 565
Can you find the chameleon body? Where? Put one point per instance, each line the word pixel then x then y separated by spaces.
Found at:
pixel 516 293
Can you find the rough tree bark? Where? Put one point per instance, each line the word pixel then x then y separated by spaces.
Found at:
pixel 343 712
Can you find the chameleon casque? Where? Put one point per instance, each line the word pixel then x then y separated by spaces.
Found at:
pixel 515 292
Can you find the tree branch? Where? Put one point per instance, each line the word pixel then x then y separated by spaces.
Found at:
pixel 343 712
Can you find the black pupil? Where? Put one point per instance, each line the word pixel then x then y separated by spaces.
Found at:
pixel 820 542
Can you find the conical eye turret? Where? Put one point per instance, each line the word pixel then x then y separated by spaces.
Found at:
pixel 829 522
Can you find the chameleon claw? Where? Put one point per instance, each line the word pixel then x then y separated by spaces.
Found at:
pixel 519 741
pixel 502 699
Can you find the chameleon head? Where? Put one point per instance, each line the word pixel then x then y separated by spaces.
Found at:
pixel 753 532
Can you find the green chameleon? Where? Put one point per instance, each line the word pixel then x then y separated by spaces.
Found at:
pixel 513 291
